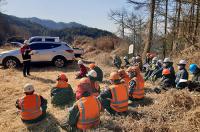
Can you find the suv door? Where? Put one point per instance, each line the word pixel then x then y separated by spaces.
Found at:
pixel 44 51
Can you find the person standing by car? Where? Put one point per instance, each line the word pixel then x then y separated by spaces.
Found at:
pixel 26 56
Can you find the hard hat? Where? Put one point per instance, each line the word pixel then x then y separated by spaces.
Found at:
pixel 26 42
pixel 92 73
pixel 137 57
pixel 155 59
pixel 165 72
pixel 80 62
pixel 62 77
pixel 193 68
pixel 92 66
pixel 114 76
pixel 166 60
pixel 182 62
pixel 28 88
pixel 125 57
pixel 160 61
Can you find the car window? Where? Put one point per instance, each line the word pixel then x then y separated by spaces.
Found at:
pixel 49 40
pixel 36 40
pixel 43 46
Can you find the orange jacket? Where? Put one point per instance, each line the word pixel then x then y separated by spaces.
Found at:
pixel 89 108
pixel 119 101
pixel 138 92
pixel 30 107
pixel 62 84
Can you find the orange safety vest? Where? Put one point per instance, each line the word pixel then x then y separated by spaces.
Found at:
pixel 138 92
pixel 30 107
pixel 119 101
pixel 127 79
pixel 62 84
pixel 89 108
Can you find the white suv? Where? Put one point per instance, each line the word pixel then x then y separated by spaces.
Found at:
pixel 56 52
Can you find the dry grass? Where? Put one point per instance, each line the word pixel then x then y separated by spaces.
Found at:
pixel 170 111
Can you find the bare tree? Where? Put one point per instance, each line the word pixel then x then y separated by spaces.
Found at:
pixel 119 17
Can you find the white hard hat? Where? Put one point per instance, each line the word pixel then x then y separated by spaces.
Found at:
pixel 80 62
pixel 137 57
pixel 125 57
pixel 26 42
pixel 155 59
pixel 92 73
pixel 160 61
pixel 167 60
pixel 182 62
pixel 28 88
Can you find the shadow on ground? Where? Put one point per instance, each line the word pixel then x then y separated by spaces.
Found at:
pixel 40 79
pixel 144 102
pixel 49 124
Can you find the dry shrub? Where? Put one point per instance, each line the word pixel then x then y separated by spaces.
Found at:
pixel 182 100
pixel 90 49
pixel 104 58
pixel 107 43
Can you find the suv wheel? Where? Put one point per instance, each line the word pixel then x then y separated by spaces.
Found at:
pixel 11 62
pixel 59 62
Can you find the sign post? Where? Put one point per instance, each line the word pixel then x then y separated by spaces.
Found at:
pixel 131 50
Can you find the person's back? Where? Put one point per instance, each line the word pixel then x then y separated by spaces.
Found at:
pixel 89 108
pixel 85 113
pixel 136 84
pixel 62 93
pixel 32 106
pixel 119 101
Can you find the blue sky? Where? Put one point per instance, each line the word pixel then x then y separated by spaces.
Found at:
pixel 93 13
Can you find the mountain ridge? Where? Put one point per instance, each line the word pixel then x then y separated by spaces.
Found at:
pixel 48 23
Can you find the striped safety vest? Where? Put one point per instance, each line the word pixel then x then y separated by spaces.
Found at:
pixel 89 108
pixel 138 92
pixel 119 101
pixel 30 107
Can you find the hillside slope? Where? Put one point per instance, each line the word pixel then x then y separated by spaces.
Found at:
pixel 13 26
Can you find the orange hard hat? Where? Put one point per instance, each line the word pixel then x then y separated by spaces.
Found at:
pixel 92 66
pixel 114 76
pixel 62 77
pixel 165 72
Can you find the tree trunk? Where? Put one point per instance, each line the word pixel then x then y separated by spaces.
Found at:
pixel 165 42
pixel 123 27
pixel 197 23
pixel 147 47
pixel 178 24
